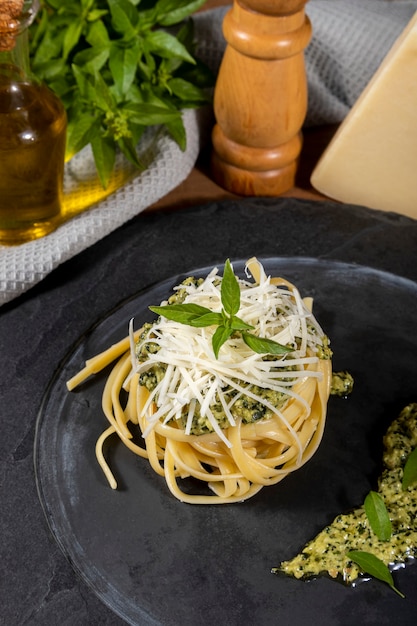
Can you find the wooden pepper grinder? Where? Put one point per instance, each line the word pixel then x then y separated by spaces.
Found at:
pixel 260 98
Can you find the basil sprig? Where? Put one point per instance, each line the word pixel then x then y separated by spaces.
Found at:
pixel 227 321
pixel 372 565
pixel 119 66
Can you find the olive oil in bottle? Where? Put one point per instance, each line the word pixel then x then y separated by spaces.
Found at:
pixel 32 135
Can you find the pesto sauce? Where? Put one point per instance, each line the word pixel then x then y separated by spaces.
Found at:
pixel 326 553
pixel 342 384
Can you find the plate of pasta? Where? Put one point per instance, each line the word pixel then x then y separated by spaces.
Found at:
pixel 131 470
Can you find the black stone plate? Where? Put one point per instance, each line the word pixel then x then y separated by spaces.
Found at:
pixel 153 560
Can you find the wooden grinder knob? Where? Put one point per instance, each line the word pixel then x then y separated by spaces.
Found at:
pixel 260 98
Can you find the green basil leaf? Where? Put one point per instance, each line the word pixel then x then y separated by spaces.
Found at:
pixel 81 131
pixel 124 17
pixel 64 90
pixel 104 98
pixel 171 12
pixel 237 324
pixel 177 131
pixel 55 3
pixel 92 59
pixel 128 148
pixel 187 91
pixel 72 37
pixel 370 564
pixel 51 69
pixel 87 4
pixel 93 89
pixel 98 36
pixel 96 14
pixel 210 319
pixel 137 131
pixel 410 470
pixel 377 515
pixel 166 45
pixel 150 114
pixel 104 153
pixel 230 290
pixel 220 337
pixel 182 313
pixel 123 63
pixel 261 345
pixel 49 47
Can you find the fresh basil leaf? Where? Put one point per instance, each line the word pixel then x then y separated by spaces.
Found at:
pixel 171 12
pixel 230 290
pixel 377 515
pixel 72 37
pixel 64 90
pixel 144 71
pixel 150 114
pixel 103 96
pixel 83 82
pixel 237 324
pixel 371 564
pixel 187 91
pixel 81 131
pixel 128 148
pixel 220 337
pixel 123 64
pixel 96 14
pixel 210 319
pixel 92 59
pixel 177 131
pixel 182 313
pixel 166 45
pixel 51 69
pixel 54 3
pixel 124 17
pixel 49 47
pixel 93 89
pixel 87 4
pixel 262 345
pixel 104 153
pixel 137 131
pixel 410 470
pixel 98 35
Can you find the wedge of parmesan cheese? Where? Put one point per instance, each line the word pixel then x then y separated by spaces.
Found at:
pixel 372 159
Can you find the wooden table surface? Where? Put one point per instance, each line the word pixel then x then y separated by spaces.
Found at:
pixel 199 188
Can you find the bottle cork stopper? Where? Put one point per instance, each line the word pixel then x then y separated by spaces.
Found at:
pixel 10 12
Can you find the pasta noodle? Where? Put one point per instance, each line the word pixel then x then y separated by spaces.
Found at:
pixel 235 423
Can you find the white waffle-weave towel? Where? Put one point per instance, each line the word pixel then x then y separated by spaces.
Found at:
pixel 350 39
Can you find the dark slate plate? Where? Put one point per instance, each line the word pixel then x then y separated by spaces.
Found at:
pixel 153 560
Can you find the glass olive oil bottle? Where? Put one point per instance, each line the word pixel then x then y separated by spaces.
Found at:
pixel 32 134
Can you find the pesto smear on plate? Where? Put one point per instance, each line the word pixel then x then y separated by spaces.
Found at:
pixel 327 552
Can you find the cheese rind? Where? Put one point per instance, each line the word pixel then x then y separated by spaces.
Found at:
pixel 372 159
